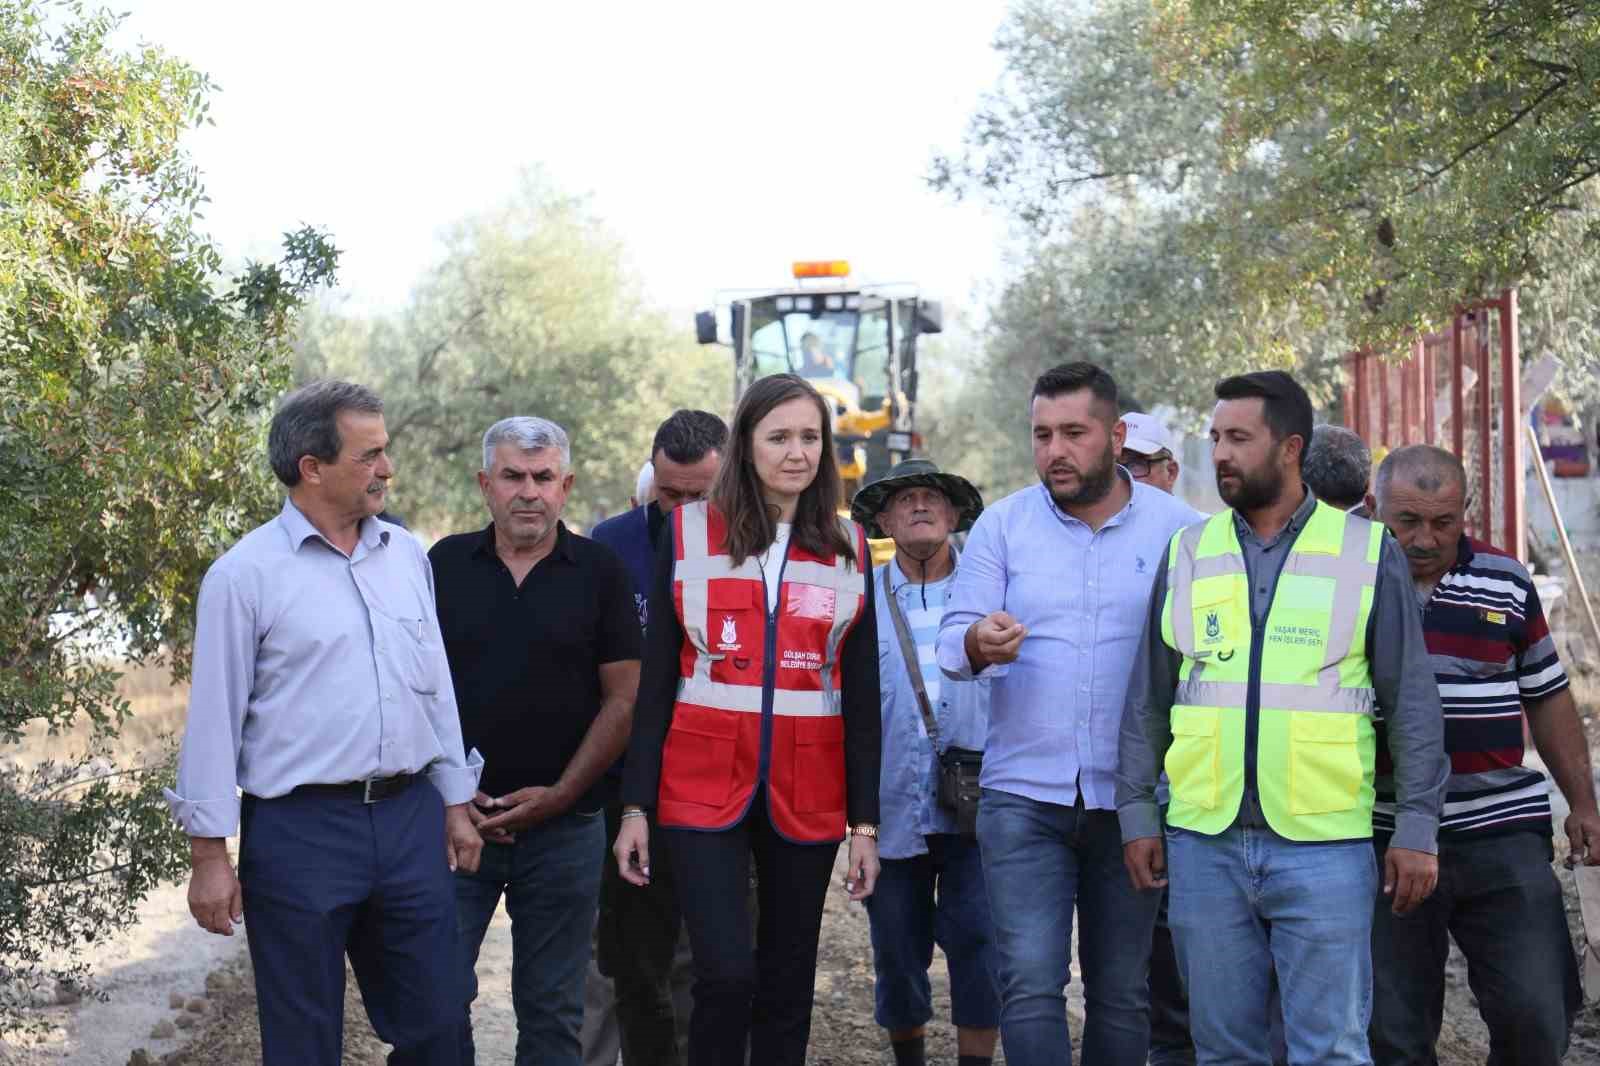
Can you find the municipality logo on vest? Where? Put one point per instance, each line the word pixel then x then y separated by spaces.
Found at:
pixel 1213 627
pixel 730 634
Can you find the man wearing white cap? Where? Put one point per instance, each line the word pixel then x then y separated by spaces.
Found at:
pixel 1147 451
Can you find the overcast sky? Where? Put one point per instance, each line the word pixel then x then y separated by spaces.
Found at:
pixel 719 140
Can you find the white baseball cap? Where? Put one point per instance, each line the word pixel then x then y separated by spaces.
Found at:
pixel 1147 434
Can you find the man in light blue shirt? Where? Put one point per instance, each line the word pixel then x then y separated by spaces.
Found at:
pixel 930 888
pixel 1049 603
pixel 320 688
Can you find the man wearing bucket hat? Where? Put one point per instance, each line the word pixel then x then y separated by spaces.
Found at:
pixel 931 888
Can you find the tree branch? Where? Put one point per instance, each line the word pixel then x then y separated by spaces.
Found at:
pixel 1560 69
pixel 80 782
pixel 114 868
pixel 42 612
pixel 1082 179
pixel 426 363
pixel 1492 135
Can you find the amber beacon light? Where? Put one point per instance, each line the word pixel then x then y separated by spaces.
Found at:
pixel 822 268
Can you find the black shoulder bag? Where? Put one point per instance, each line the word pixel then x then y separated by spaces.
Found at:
pixel 958 767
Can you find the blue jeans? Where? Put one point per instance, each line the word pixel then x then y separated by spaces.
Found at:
pixel 1246 901
pixel 937 897
pixel 1039 859
pixel 551 880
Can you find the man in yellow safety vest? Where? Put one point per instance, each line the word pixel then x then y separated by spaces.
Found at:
pixel 1278 631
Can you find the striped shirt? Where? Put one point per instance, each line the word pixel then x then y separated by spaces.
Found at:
pixel 1491 652
pixel 907 780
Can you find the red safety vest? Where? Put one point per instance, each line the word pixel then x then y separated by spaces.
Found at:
pixel 759 693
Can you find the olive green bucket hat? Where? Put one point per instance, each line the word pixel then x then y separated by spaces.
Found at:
pixel 914 473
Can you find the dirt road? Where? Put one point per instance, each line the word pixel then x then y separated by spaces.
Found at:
pixel 843 1032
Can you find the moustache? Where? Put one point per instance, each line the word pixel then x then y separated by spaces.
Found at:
pixel 1422 553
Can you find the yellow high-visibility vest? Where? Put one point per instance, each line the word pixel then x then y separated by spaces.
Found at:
pixel 1315 744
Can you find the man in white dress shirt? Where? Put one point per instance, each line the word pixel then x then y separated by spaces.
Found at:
pixel 321 691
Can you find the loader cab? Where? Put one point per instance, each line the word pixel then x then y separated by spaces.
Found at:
pixel 856 344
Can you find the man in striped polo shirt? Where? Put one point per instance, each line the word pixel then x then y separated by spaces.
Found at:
pixel 1493 657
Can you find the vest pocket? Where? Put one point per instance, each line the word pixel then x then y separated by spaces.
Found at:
pixel 1325 771
pixel 697 760
pixel 819 764
pixel 1194 760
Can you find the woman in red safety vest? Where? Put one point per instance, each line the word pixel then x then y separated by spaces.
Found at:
pixel 756 730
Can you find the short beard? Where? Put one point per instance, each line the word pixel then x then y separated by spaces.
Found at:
pixel 1255 491
pixel 1093 485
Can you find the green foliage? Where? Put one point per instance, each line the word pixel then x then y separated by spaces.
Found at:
pixel 531 311
pixel 1106 161
pixel 1307 177
pixel 132 382
pixel 1454 134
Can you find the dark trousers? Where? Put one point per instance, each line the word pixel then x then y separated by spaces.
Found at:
pixel 1170 1044
pixel 760 995
pixel 325 875
pixel 1501 901
pixel 550 878
pixel 636 944
pixel 937 897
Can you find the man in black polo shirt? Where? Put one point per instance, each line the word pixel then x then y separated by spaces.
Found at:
pixel 543 641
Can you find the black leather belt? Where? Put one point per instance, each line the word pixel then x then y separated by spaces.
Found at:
pixel 372 790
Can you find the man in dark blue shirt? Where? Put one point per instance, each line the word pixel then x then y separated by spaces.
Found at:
pixel 639 928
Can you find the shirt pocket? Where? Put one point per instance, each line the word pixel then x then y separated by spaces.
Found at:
pixel 416 656
pixel 1194 761
pixel 1325 771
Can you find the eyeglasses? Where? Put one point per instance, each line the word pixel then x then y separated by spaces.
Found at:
pixel 1139 466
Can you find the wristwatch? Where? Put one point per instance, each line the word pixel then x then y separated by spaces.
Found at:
pixel 864 830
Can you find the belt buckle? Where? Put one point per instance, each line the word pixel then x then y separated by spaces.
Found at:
pixel 366 791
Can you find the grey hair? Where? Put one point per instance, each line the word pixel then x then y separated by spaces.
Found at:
pixel 1421 465
pixel 307 423
pixel 1337 466
pixel 528 433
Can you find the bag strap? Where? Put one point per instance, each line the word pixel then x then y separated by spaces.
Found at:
pixel 908 652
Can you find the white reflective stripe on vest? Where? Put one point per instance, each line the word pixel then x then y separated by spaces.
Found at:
pixel 746 699
pixel 1348 570
pixel 693 549
pixel 1236 695
pixel 1180 586
pixel 698 567
pixel 1351 574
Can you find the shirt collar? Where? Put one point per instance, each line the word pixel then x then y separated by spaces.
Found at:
pixel 562 550
pixel 654 522
pixel 1297 521
pixel 299 528
pixel 1115 520
pixel 1464 553
pixel 897 577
